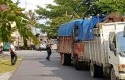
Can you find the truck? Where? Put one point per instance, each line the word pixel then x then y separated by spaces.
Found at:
pixel 95 44
pixel 66 42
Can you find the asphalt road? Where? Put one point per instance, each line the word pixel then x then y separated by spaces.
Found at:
pixel 35 67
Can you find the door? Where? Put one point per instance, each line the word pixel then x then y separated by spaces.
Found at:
pixel 113 53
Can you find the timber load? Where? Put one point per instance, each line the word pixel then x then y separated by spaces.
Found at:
pixel 114 17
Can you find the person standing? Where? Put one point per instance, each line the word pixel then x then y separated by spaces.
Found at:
pixel 13 54
pixel 48 48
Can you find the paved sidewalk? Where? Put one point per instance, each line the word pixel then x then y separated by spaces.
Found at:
pixel 5 76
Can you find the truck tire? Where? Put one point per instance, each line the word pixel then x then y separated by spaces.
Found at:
pixel 93 70
pixel 100 71
pixel 112 75
pixel 68 59
pixel 77 64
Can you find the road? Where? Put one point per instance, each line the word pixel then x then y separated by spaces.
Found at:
pixel 35 67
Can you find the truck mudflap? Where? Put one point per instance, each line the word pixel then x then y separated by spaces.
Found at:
pixel 96 71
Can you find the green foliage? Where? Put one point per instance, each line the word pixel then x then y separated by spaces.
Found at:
pixel 108 6
pixel 58 14
pixel 94 7
pixel 65 7
pixel 12 14
pixel 11 17
pixel 68 10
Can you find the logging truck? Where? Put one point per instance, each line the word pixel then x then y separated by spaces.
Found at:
pixel 92 43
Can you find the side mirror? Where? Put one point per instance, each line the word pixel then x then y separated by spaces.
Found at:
pixel 112 47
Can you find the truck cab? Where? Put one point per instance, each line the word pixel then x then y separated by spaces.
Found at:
pixel 117 54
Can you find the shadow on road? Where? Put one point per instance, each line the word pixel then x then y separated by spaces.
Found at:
pixel 35 67
pixel 65 72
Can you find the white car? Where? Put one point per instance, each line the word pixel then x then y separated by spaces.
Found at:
pixel 42 46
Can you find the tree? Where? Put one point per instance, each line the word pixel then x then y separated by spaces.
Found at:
pixel 108 6
pixel 10 13
pixel 68 10
pixel 32 18
pixel 104 6
pixel 58 14
pixel 33 21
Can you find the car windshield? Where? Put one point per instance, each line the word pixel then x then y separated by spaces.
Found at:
pixel 121 41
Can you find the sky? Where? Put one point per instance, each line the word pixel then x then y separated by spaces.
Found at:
pixel 31 4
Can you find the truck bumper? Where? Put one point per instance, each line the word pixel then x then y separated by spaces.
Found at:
pixel 121 76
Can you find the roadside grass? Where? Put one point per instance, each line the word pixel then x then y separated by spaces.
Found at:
pixel 5 65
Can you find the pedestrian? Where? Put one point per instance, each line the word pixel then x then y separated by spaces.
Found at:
pixel 48 48
pixel 13 54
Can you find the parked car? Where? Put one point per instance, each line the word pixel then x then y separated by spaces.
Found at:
pixel 40 47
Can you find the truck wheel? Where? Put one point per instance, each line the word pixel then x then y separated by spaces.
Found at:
pixel 68 59
pixel 100 71
pixel 77 64
pixel 93 69
pixel 113 76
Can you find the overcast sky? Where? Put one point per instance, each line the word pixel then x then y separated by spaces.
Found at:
pixel 31 4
